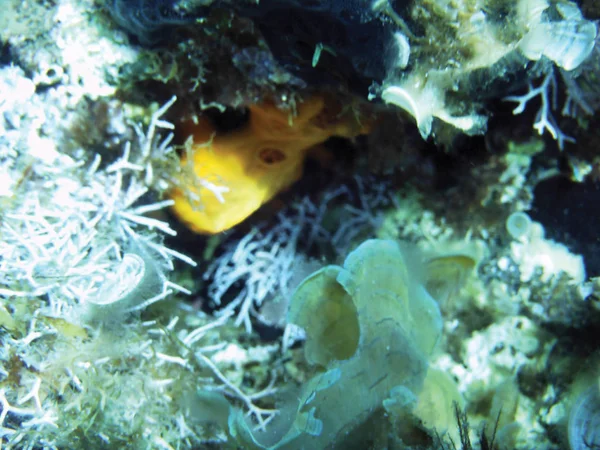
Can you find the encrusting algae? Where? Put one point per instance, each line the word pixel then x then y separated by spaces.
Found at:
pixel 257 161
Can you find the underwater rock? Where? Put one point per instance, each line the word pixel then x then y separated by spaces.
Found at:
pixel 351 37
pixel 324 41
pixel 439 64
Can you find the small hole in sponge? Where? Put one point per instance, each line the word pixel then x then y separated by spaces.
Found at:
pixel 271 156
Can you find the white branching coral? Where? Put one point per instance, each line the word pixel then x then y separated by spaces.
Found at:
pixel 547 91
pixel 81 249
pixel 77 235
pixel 263 261
pixel 149 386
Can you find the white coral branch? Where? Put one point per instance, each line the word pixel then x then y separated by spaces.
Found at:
pixel 544 120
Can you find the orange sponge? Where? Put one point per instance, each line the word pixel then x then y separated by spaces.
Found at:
pixel 254 162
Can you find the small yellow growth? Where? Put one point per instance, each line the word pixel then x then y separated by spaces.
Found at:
pixel 255 162
pixel 67 329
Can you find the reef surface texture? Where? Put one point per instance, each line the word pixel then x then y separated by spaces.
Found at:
pixel 299 224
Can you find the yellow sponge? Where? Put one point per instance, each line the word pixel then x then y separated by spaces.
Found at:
pixel 255 162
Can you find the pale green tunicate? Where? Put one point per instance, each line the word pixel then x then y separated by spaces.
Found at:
pixel 518 225
pixel 370 326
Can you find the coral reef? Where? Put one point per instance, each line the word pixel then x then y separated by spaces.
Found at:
pixel 299 224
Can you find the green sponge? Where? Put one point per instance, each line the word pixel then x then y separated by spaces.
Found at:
pixel 370 327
